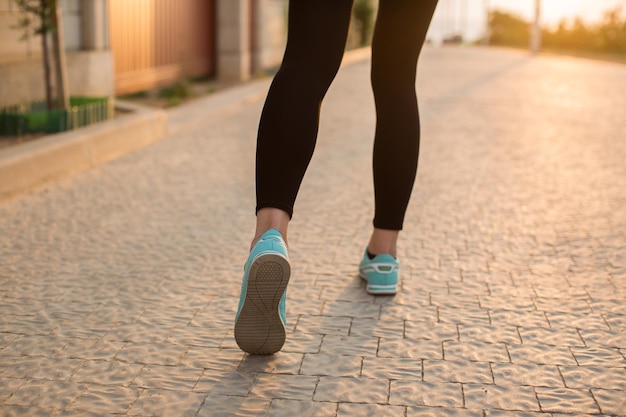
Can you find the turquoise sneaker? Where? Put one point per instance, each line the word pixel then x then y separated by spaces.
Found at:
pixel 260 320
pixel 381 274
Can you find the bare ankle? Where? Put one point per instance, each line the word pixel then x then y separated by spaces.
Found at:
pixel 271 218
pixel 383 241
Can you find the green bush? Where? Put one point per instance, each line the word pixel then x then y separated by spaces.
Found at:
pixel 35 117
pixel 507 29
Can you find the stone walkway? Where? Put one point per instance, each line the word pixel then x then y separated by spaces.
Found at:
pixel 118 287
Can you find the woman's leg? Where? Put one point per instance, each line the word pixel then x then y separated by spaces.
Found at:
pixel 399 34
pixel 289 123
pixel 287 135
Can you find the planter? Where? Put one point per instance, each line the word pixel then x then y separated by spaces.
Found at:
pixel 34 117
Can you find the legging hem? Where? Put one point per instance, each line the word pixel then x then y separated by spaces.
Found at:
pixel 288 210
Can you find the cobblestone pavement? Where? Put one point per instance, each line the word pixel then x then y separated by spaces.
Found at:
pixel 118 287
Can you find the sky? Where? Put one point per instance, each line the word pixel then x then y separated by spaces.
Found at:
pixel 469 16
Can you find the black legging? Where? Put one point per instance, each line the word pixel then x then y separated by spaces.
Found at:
pixel 289 123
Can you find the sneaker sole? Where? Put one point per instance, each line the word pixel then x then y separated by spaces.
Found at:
pixel 379 289
pixel 387 290
pixel 259 329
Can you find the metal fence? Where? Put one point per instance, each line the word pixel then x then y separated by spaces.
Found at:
pixel 35 117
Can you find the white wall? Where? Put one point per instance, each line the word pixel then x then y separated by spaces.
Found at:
pixel 271 34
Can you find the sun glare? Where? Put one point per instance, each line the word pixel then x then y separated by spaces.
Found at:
pixel 468 17
pixel 555 11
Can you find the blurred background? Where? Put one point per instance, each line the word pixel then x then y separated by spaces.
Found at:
pixel 169 50
pixel 470 18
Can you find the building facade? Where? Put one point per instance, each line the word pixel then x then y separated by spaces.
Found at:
pixel 123 46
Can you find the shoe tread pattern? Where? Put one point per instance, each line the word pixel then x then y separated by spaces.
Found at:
pixel 259 329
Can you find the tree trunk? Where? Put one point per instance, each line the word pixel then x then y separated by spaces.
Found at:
pixel 62 91
pixel 45 56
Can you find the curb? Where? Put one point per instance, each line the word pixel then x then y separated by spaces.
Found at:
pixel 30 165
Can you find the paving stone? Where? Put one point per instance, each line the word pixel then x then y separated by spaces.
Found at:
pixel 565 400
pixel 107 372
pixel 456 301
pixel 412 393
pixel 615 321
pixel 300 292
pixel 351 309
pixel 228 343
pixel 279 363
pixel 559 306
pixel 176 378
pixel 475 316
pixel 39 367
pixel 506 374
pixel 289 387
pixel 392 368
pixel 91 349
pixel 607 306
pixel 475 351
pixel 598 356
pixel 610 402
pixel 518 318
pixel 431 330
pixel 520 302
pixel 425 281
pixel 154 402
pixel 489 334
pixel 6 338
pixel 377 327
pixel 9 386
pixel 578 415
pixel 217 359
pixel 197 336
pixel 213 318
pixel 166 354
pixel 349 345
pixel 410 348
pixel 289 408
pixel 347 389
pixel 294 309
pixel 353 409
pixel 324 325
pixel 556 337
pixel 600 338
pixel 333 292
pixel 412 312
pixel 106 399
pixel 17 410
pixel 301 342
pixel 582 321
pixel 458 371
pixel 331 365
pixel 541 354
pixel 582 377
pixel 442 411
pixel 513 398
pixel 45 394
pixel 235 406
pixel 225 382
pixel 35 345
pixel 503 413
